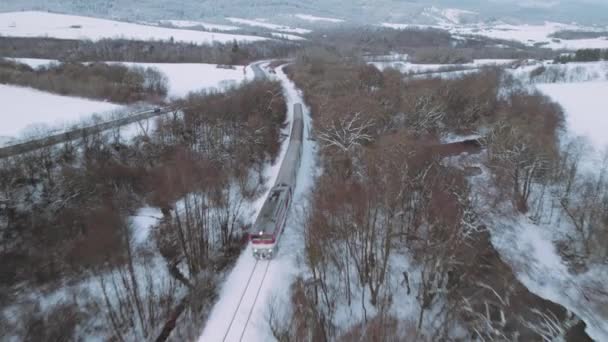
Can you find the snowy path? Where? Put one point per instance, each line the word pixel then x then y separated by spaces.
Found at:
pixel 282 270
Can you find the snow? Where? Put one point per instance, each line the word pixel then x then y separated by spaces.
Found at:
pixel 560 73
pixel 527 34
pixel 264 24
pixel 188 77
pixel 142 223
pixel 407 67
pixel 26 109
pixel 33 62
pixel 528 247
pixel 524 243
pixel 207 26
pixel 286 36
pixel 586 108
pixel 42 24
pixel 283 269
pixel 447 16
pixel 313 18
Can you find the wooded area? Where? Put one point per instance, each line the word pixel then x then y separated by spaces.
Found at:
pixel 66 219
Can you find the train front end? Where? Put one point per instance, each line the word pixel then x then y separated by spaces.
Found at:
pixel 264 246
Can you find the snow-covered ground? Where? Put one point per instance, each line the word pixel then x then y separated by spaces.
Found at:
pixel 142 223
pixel 205 25
pixel 529 249
pixel 34 62
pixel 527 34
pixel 313 18
pixel 182 77
pixel 413 68
pixel 267 25
pixel 188 77
pixel 43 24
pixel 447 16
pixel 28 111
pixel 282 270
pixel 586 108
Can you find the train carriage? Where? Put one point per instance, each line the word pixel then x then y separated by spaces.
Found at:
pixel 270 223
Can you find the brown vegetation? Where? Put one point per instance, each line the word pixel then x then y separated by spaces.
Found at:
pixel 65 213
pixel 385 195
pixel 115 83
pixel 122 50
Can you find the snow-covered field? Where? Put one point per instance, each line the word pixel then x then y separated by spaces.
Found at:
pixel 282 270
pixel 313 18
pixel 586 108
pixel 42 24
pixel 27 111
pixel 267 25
pixel 413 68
pixel 526 34
pixel 183 78
pixel 34 62
pixel 205 25
pixel 188 77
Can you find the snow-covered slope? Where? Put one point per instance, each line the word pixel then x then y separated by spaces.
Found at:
pixel 586 108
pixel 187 77
pixel 205 25
pixel 26 111
pixel 528 34
pixel 42 24
pixel 267 25
pixel 448 16
pixel 313 18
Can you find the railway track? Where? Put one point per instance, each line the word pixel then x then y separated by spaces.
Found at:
pixel 242 314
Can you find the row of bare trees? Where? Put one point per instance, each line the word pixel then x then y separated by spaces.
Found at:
pixel 125 50
pixel 108 82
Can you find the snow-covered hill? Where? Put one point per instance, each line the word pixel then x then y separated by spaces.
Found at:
pixel 42 24
pixel 26 111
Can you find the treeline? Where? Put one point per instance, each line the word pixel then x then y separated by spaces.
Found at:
pixel 389 220
pixel 583 55
pixel 122 50
pixel 65 218
pixel 571 35
pixel 100 81
pixel 422 45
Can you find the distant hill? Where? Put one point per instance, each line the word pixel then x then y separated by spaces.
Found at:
pixel 353 11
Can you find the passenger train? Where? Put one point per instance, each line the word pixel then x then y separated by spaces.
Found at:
pixel 270 223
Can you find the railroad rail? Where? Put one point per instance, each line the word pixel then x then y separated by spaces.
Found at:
pixel 245 309
pixel 38 143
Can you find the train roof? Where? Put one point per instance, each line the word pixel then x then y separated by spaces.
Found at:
pixel 266 221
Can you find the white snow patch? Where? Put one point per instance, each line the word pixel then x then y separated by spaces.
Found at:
pixel 34 62
pixel 315 18
pixel 205 25
pixel 188 77
pixel 527 34
pixel 142 223
pixel 446 16
pixel 414 68
pixel 42 24
pixel 586 108
pixel 264 24
pixel 25 110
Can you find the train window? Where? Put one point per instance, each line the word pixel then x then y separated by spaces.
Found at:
pixel 264 238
